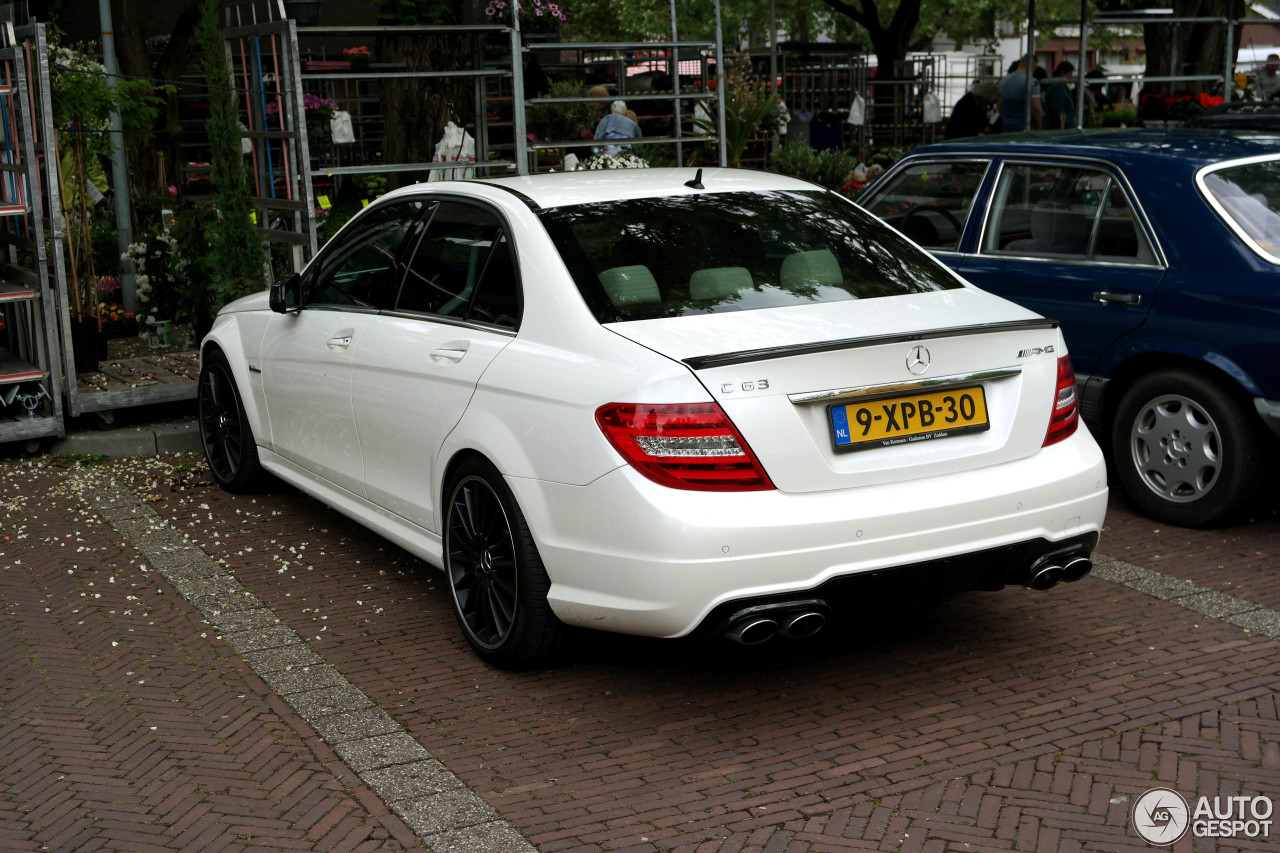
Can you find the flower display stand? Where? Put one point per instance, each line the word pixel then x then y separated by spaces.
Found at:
pixel 30 367
pixel 97 387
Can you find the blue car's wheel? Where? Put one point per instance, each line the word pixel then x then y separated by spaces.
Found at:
pixel 1186 450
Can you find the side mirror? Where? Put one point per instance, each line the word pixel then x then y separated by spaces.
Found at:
pixel 284 294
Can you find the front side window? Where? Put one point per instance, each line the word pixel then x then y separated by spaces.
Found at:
pixel 929 202
pixel 717 252
pixel 360 268
pixel 463 268
pixel 1248 197
pixel 1064 212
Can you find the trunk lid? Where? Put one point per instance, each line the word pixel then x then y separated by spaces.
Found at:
pixel 778 373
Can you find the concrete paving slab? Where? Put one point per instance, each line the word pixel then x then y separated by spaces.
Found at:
pixel 132 441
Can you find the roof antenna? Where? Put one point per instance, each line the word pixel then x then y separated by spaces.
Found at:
pixel 696 183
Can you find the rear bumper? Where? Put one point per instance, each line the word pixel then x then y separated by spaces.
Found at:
pixel 625 554
pixel 992 569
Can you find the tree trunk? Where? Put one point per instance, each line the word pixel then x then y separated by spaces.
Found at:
pixel 149 172
pixel 1190 49
pixel 415 110
pixel 889 41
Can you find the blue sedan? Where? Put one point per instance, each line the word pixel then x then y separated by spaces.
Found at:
pixel 1159 254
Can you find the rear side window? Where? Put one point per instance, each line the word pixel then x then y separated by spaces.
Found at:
pixel 1064 212
pixel 717 252
pixel 463 268
pixel 1248 197
pixel 929 202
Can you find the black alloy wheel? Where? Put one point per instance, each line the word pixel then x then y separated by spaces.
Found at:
pixel 228 440
pixel 498 584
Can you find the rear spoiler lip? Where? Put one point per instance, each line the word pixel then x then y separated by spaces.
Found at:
pixel 702 362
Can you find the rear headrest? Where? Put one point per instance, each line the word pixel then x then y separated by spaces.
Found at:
pixel 813 268
pixel 630 286
pixel 1057 228
pixel 719 282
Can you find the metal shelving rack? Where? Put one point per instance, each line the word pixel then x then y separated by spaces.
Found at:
pixel 30 366
pixel 121 384
pixel 264 61
pixel 624 54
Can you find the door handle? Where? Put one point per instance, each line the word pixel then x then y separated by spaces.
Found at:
pixel 340 342
pixel 1106 297
pixel 452 352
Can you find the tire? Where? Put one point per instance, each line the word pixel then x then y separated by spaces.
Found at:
pixel 496 579
pixel 229 445
pixel 1186 450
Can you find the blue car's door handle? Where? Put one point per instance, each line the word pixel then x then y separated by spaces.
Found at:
pixel 1105 297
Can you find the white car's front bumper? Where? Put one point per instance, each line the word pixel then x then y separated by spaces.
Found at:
pixel 625 554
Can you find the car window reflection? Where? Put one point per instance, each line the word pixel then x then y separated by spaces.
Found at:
pixel 361 268
pixel 1064 213
pixel 719 252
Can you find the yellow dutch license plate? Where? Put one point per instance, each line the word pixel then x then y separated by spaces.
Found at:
pixel 908 418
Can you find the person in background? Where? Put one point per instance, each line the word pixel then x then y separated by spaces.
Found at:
pixel 1268 81
pixel 616 125
pixel 1013 94
pixel 1059 106
pixel 1095 93
pixel 977 113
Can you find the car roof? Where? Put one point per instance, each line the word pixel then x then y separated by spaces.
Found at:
pixel 1195 147
pixel 560 189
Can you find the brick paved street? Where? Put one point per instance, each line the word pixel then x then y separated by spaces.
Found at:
pixel 1013 720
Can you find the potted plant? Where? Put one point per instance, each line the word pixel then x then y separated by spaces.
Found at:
pixel 83 100
pixel 751 108
pixel 561 122
pixel 359 57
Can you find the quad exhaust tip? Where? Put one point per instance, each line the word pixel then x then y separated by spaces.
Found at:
pixel 1048 572
pixel 1076 568
pixel 804 624
pixel 752 632
pixel 793 619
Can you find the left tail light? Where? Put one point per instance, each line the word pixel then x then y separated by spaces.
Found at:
pixel 684 446
pixel 1066 407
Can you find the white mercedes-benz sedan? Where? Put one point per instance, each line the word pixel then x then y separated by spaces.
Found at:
pixel 658 402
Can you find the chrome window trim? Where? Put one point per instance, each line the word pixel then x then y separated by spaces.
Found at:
pixel 858 392
pixel 446 320
pixel 1112 171
pixel 1222 212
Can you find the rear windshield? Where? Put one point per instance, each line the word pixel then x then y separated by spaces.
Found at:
pixel 705 254
pixel 1249 196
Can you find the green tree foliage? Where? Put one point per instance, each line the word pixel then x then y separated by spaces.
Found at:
pixel 83 99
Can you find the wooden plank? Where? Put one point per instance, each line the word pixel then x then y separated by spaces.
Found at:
pixel 124 398
pixel 21 429
pixel 12 291
pixel 14 369
pixel 20 241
